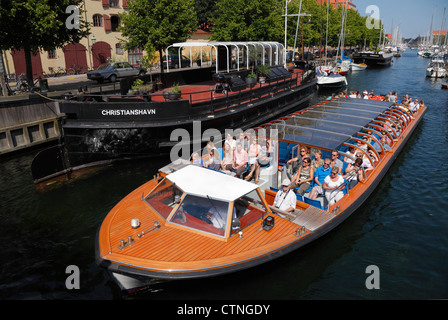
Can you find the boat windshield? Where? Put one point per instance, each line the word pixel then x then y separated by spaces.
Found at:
pixel 162 198
pixel 203 214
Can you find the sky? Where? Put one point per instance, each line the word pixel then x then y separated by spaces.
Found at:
pixel 412 16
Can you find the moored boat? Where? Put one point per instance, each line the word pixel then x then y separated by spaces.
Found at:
pixel 358 66
pixel 193 222
pixel 102 129
pixel 374 59
pixel 436 68
pixel 330 80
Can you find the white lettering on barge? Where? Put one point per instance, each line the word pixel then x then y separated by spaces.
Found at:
pixel 135 112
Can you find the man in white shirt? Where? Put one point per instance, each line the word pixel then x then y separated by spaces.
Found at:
pixel 285 198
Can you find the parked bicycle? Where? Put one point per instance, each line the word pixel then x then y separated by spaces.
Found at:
pixel 22 84
pixel 55 72
pixel 75 70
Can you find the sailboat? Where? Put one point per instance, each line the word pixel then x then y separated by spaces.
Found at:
pixel 326 79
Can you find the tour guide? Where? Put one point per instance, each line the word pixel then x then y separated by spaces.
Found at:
pixel 285 199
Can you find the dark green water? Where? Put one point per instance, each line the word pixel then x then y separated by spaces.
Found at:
pixel 401 228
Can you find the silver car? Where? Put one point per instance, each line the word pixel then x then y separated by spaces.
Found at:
pixel 114 70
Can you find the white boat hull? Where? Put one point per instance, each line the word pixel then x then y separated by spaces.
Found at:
pixel 435 73
pixel 358 67
pixel 331 81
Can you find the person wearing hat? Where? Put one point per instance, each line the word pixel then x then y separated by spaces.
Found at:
pixel 364 95
pixel 285 199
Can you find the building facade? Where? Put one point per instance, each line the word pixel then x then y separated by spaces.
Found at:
pixel 102 45
pixel 336 3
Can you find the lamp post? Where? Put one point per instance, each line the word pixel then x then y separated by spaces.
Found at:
pixel 91 50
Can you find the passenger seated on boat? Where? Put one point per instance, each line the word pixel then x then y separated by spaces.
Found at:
pixel 213 161
pixel 227 159
pixel 303 177
pixel 384 144
pixel 230 141
pixel 334 186
pixel 285 199
pixel 265 157
pixel 361 144
pixel 197 159
pixel 253 153
pixel 354 173
pixel 335 162
pixel 422 103
pixel 319 177
pixel 294 164
pixel 414 106
pixel 240 160
pixel 365 161
pixel 317 161
pixel 372 155
pixel 351 152
pixel 243 140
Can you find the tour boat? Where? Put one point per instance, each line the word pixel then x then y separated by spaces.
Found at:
pixel 193 222
pixel 101 129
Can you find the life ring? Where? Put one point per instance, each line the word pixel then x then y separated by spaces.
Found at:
pixel 338 70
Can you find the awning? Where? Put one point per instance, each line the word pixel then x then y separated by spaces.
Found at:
pixel 331 124
pixel 274 49
pixel 205 182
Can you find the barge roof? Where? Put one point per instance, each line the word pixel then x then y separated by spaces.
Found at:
pixel 329 125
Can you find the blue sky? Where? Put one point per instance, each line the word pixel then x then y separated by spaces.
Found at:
pixel 413 17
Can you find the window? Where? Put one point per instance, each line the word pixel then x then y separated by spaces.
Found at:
pixel 118 49
pixel 113 3
pixel 135 56
pixel 204 214
pixel 114 23
pixel 52 54
pixel 97 20
pixel 162 198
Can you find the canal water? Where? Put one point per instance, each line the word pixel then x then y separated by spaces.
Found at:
pixel 401 228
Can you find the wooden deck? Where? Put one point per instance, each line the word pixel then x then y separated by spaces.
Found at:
pixel 206 91
pixel 313 218
pixel 176 249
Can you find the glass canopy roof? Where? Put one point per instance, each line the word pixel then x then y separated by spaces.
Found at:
pixel 331 124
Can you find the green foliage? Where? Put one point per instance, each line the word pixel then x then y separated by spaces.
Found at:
pixel 137 84
pixel 248 20
pixel 38 24
pixel 157 23
pixel 262 70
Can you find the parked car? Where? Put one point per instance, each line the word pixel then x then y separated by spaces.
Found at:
pixel 173 61
pixel 114 70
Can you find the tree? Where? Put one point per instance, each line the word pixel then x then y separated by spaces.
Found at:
pixel 248 20
pixel 32 25
pixel 205 10
pixel 157 23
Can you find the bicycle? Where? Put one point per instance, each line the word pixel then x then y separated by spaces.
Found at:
pixel 22 84
pixel 75 70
